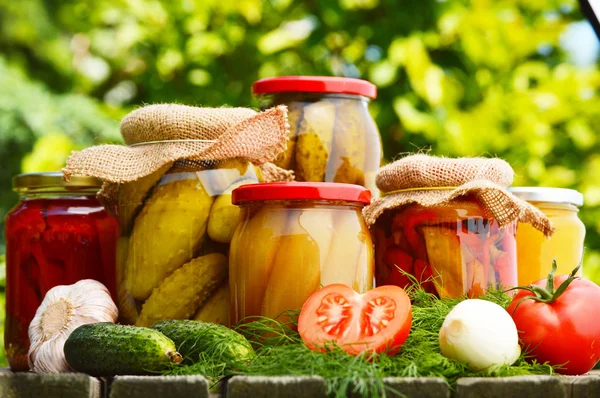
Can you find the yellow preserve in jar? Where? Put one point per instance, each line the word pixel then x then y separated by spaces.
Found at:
pixel 293 239
pixel 535 252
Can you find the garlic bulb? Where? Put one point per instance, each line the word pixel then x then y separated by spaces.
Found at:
pixel 63 310
pixel 481 334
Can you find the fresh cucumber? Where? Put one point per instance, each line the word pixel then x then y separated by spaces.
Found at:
pixel 106 349
pixel 217 342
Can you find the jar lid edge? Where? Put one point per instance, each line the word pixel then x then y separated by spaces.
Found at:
pixel 315 84
pixel 548 194
pixel 301 191
pixel 50 179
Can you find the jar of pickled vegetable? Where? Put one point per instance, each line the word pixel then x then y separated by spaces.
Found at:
pixel 535 252
pixel 57 234
pixel 176 227
pixel 294 238
pixel 332 137
pixel 452 250
pixel 448 224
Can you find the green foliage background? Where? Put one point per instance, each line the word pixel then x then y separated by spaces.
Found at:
pixel 479 77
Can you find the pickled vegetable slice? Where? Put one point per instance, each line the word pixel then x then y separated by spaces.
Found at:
pixel 344 255
pixel 315 136
pixel 253 249
pixel 132 196
pixel 295 275
pixel 167 232
pixel 318 222
pixel 446 259
pixel 287 160
pixel 348 151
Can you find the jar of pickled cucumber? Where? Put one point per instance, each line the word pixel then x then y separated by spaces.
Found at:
pixel 57 234
pixel 176 227
pixel 294 238
pixel 452 250
pixel 535 252
pixel 332 137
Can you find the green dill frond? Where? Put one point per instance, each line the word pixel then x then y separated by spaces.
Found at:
pixel 280 352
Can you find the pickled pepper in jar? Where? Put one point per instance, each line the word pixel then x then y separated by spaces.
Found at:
pixel 57 234
pixel 448 224
pixel 452 250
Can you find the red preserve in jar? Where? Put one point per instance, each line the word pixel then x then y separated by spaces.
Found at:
pixel 57 234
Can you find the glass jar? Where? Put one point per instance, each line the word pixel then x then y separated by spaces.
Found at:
pixel 333 137
pixel 535 252
pixel 452 250
pixel 176 226
pixel 294 238
pixel 57 234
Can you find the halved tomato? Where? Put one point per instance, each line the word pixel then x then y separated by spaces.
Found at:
pixel 377 321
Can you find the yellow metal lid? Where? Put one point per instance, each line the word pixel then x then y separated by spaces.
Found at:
pixel 52 181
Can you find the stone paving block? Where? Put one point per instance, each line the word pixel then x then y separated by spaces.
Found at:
pixel 159 386
pixel 62 385
pixel 417 387
pixel 276 387
pixel 517 386
pixel 587 386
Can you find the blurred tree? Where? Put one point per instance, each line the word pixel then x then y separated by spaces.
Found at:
pixel 478 77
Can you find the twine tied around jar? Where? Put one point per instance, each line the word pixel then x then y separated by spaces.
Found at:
pixel 432 181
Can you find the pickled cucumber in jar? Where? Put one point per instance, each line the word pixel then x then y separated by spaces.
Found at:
pixel 177 226
pixel 333 137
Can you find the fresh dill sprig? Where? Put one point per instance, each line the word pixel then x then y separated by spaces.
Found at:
pixel 280 352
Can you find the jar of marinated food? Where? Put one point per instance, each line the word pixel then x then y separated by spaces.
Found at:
pixel 176 227
pixel 57 234
pixel 448 224
pixel 332 135
pixel 535 252
pixel 294 238
pixel 452 250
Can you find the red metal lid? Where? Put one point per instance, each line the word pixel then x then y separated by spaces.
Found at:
pixel 301 191
pixel 314 84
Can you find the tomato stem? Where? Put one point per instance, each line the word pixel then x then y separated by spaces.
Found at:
pixel 548 295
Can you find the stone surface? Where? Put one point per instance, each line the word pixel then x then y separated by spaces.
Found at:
pixel 276 387
pixel 71 385
pixel 63 385
pixel 413 387
pixel 517 386
pixel 587 386
pixel 159 386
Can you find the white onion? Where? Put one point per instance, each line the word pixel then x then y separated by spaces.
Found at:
pixel 481 334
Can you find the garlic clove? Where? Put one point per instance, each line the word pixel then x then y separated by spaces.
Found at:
pixel 64 309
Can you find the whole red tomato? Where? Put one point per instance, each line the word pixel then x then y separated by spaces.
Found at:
pixel 560 327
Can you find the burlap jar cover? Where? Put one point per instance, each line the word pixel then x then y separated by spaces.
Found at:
pixel 433 181
pixel 163 134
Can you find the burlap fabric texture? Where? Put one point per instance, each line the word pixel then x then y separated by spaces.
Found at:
pixel 414 179
pixel 157 135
